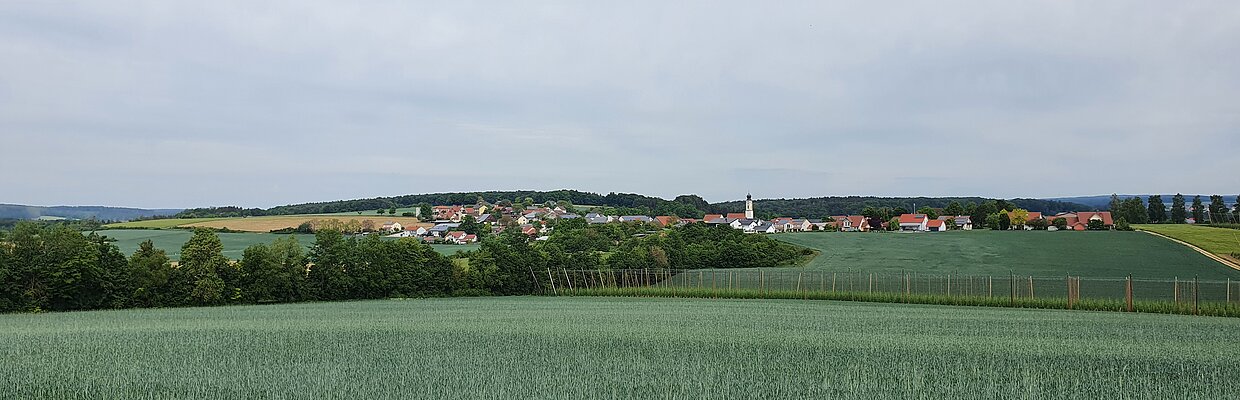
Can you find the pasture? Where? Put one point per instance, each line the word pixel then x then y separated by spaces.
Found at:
pixel 171 240
pixel 263 224
pixel 583 347
pixel 1222 242
pixel 999 253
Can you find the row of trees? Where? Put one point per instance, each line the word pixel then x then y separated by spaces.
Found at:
pixel 57 268
pixel 1135 210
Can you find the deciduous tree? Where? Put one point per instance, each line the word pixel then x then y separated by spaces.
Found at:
pixel 1178 214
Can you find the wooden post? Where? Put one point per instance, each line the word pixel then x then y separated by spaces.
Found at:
pixel 990 287
pixel 762 281
pixel 1196 296
pixel 1228 290
pixel 949 285
pixel 552 278
pixel 832 282
pixel 1175 290
pixel 799 285
pixel 1030 287
pixel 871 290
pixel 566 279
pixel 1013 284
pixel 1067 280
pixel 1128 292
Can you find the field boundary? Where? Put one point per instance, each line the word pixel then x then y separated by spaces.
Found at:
pixel 1215 257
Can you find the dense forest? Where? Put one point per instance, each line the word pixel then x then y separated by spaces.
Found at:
pixel 57 268
pixel 684 206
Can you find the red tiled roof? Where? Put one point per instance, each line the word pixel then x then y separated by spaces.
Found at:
pixel 1084 217
pixel 912 218
pixel 709 217
pixel 736 215
pixel 663 220
pixel 934 223
pixel 857 220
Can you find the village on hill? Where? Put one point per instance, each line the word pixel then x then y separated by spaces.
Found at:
pixel 460 224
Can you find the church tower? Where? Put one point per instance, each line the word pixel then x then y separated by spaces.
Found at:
pixel 749 206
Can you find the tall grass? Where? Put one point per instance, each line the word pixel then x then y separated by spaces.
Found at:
pixel 592 347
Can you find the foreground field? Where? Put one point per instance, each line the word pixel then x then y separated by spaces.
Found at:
pixel 1037 253
pixel 171 241
pixel 1222 242
pixel 263 224
pixel 615 347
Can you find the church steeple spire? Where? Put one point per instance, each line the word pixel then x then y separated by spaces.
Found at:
pixel 748 206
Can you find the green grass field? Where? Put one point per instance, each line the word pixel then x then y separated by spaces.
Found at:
pixel 159 223
pixel 572 348
pixel 1037 253
pixel 171 240
pixel 1220 241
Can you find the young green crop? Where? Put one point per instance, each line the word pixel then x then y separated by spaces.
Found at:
pixel 588 347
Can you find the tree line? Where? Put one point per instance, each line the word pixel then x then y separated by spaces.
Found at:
pixel 57 268
pixel 1154 210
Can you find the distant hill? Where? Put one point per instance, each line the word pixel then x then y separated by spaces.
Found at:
pixel 688 206
pixel 17 211
pixel 1102 202
pixel 819 207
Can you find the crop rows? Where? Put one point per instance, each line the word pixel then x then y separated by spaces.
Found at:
pixel 579 347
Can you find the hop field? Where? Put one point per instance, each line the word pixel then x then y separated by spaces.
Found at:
pixel 572 348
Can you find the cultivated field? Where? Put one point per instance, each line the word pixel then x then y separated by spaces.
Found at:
pixel 1036 253
pixel 532 347
pixel 264 224
pixel 171 240
pixel 1222 242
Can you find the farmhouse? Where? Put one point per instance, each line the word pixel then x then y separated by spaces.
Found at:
pixel 963 222
pixel 1079 221
pixel 441 229
pixel 913 222
pixel 459 237
pixel 392 227
pixel 850 223
pixel 936 225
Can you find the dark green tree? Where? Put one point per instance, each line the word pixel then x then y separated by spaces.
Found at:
pixel 198 273
pixel 427 212
pixel 953 208
pixel 1178 215
pixel 150 269
pixel 1218 209
pixel 1114 205
pixel 981 215
pixel 1005 223
pixel 1060 223
pixel 331 255
pixel 1199 210
pixel 1157 211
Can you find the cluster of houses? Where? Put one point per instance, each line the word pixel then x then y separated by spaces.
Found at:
pixel 448 220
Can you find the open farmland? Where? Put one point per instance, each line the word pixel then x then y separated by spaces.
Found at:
pixel 263 224
pixel 1222 242
pixel 539 347
pixel 171 240
pixel 1037 253
pixel 159 223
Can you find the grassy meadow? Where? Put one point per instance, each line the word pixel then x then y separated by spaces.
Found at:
pixel 262 224
pixel 983 252
pixel 171 240
pixel 585 347
pixel 1220 241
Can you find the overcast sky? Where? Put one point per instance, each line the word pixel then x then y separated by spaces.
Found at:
pixel 172 104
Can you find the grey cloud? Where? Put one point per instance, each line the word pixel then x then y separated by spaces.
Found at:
pixel 164 104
